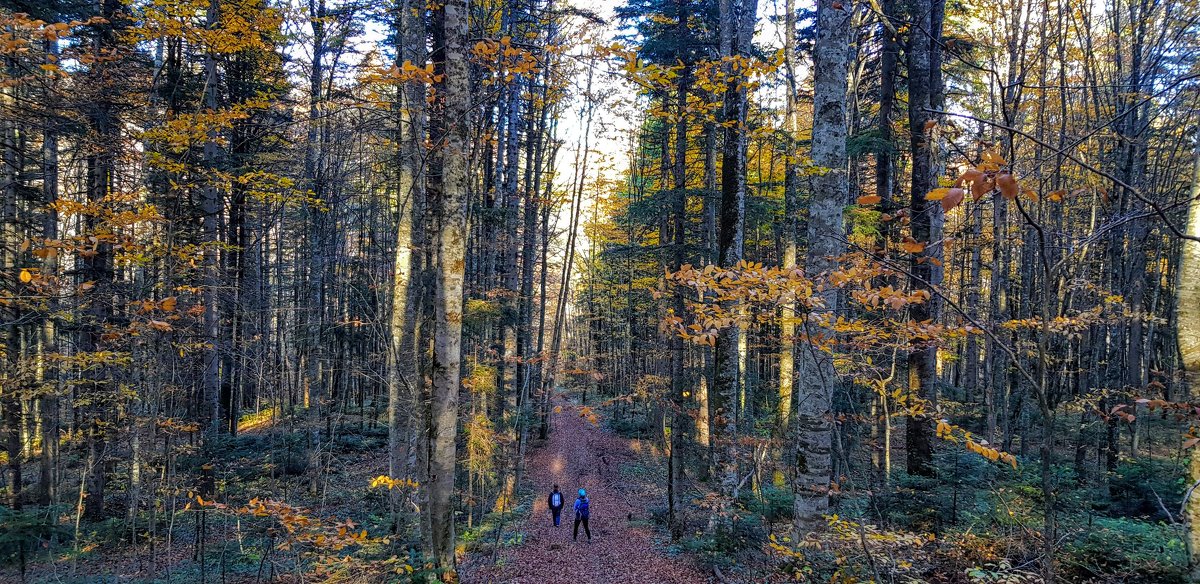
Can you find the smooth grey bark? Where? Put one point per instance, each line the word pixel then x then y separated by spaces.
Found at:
pixel 826 242
pixel 403 381
pixel 791 194
pixel 210 206
pixel 48 480
pixel 449 191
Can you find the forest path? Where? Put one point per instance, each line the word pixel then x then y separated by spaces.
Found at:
pixel 578 455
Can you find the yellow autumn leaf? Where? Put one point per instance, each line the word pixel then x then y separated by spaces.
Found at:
pixel 937 194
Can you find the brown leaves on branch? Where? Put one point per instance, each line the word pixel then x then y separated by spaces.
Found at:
pixel 291 526
pixel 753 293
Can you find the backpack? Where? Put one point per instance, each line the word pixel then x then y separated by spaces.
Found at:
pixel 581 508
pixel 556 499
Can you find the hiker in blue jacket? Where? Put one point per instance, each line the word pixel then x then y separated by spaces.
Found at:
pixel 581 515
pixel 555 503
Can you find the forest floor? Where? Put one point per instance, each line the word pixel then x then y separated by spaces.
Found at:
pixel 626 548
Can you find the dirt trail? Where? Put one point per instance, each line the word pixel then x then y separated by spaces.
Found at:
pixel 580 455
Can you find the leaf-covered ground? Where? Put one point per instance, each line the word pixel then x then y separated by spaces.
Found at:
pixel 623 549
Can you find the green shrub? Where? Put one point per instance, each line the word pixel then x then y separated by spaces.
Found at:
pixel 1137 485
pixel 633 425
pixel 23 532
pixel 1125 550
pixel 773 503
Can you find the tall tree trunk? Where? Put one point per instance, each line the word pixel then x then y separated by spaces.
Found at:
pixel 736 28
pixel 449 192
pixel 791 194
pixel 1187 322
pixel 826 242
pixel 404 350
pixel 678 242
pixel 316 259
pixel 48 481
pixel 210 206
pixel 11 378
pixel 98 266
pixel 922 371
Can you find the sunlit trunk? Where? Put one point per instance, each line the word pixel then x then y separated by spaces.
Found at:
pixel 1187 318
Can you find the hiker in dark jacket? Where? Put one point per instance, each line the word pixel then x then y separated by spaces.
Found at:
pixel 555 503
pixel 581 515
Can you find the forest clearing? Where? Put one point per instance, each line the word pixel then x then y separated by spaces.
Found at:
pixel 629 291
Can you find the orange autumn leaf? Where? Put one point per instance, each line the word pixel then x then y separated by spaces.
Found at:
pixel 981 188
pixel 911 245
pixel 971 175
pixel 1008 186
pixel 869 199
pixel 978 181
pixel 953 199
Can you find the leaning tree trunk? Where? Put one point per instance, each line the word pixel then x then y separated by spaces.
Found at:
pixel 826 241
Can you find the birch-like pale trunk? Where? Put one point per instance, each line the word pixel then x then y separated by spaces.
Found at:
pixel 1187 319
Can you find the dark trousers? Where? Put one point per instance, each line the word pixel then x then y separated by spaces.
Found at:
pixel 586 529
pixel 557 513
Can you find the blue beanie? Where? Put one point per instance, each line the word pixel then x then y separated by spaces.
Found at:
pixel 582 493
